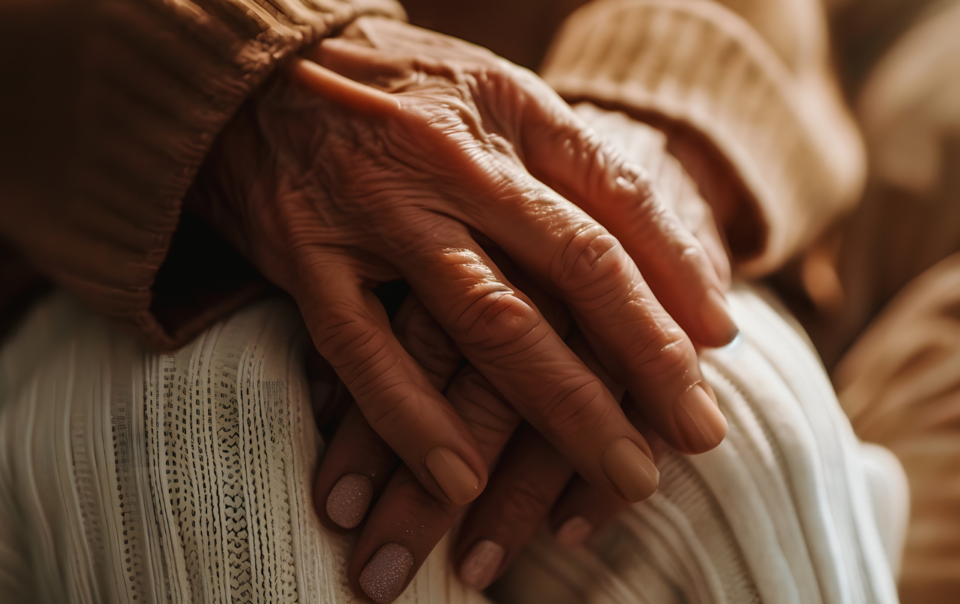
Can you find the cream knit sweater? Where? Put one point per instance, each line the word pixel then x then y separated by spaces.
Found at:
pixel 752 77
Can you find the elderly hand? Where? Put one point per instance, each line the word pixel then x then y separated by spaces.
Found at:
pixel 389 158
pixel 531 482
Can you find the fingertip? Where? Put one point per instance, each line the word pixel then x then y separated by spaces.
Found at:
pixel 479 567
pixel 716 319
pixel 699 421
pixel 385 575
pixel 456 478
pixel 349 500
pixel 573 533
pixel 630 470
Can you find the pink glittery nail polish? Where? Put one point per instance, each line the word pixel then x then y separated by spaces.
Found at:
pixel 349 499
pixel 385 574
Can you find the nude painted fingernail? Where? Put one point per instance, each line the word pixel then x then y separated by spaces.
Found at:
pixel 573 533
pixel 349 499
pixel 385 574
pixel 699 420
pixel 454 476
pixel 717 318
pixel 630 470
pixel 479 568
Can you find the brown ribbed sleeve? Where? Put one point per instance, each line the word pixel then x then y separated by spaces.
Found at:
pixel 754 82
pixel 152 82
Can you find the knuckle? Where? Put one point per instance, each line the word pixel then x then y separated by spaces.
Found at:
pixel 642 205
pixel 497 321
pixel 483 407
pixel 589 261
pixel 359 351
pixel 346 338
pixel 635 181
pixel 428 344
pixel 576 410
pixel 390 409
pixel 665 358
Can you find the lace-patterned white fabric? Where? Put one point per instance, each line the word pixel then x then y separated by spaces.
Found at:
pixel 128 476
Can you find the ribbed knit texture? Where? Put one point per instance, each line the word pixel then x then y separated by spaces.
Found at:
pixel 187 478
pixel 777 119
pixel 161 78
pixel 183 478
pixel 900 385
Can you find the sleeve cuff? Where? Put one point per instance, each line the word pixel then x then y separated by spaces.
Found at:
pixel 787 136
pixel 159 80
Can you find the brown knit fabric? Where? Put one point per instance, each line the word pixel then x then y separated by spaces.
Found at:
pixel 158 80
pixel 899 267
pixel 900 385
pixel 752 79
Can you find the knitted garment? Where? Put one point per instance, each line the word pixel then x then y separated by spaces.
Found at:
pixel 129 476
pixel 909 220
pixel 752 78
pixel 900 385
pixel 150 84
pixel 900 269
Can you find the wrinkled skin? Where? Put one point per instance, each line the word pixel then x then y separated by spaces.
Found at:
pixel 531 483
pixel 402 154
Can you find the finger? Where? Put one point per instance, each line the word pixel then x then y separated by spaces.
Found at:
pixel 406 522
pixel 569 157
pixel 396 540
pixel 333 87
pixel 355 467
pixel 357 463
pixel 715 245
pixel 350 329
pixel 329 398
pixel 637 341
pixel 509 342
pixel 682 192
pixel 583 509
pixel 529 479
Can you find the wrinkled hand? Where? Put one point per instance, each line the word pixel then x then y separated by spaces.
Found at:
pixel 388 159
pixel 532 482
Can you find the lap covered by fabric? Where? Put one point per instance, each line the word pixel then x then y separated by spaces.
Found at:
pixel 133 476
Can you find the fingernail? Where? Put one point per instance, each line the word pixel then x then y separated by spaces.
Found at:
pixel 479 568
pixel 349 499
pixel 573 533
pixel 454 476
pixel 384 575
pixel 699 420
pixel 630 470
pixel 717 318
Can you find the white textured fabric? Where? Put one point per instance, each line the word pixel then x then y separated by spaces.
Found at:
pixel 127 476
pixel 781 512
